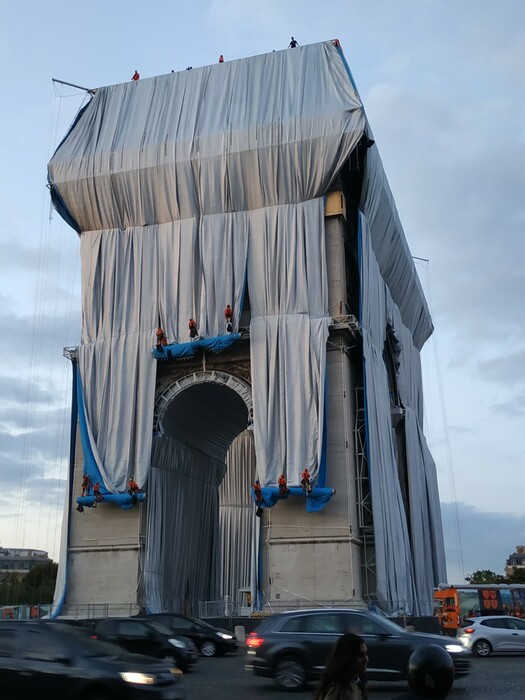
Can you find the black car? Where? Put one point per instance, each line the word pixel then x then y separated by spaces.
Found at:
pixel 209 640
pixel 45 660
pixel 293 647
pixel 148 637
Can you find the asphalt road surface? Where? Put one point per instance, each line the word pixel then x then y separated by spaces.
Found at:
pixel 224 678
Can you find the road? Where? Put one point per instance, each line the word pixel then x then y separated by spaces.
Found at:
pixel 224 678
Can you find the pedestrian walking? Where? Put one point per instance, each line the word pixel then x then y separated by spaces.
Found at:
pixel 344 677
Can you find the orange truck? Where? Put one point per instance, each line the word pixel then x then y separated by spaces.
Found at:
pixel 453 604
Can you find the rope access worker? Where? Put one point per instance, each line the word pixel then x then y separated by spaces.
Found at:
pixel 228 315
pixel 86 484
pixel 133 487
pixel 161 339
pixel 135 76
pixel 257 491
pixel 221 58
pixel 293 44
pixel 193 328
pixel 283 486
pixel 305 481
pixel 96 492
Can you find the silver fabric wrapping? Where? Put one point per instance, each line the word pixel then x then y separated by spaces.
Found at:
pixel 181 183
pixel 410 557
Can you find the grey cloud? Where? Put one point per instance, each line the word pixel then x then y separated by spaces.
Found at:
pixel 507 368
pixel 41 338
pixel 514 407
pixel 15 390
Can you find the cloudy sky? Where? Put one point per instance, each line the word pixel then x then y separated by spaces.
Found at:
pixel 442 83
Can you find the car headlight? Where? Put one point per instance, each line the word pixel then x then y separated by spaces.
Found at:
pixel 177 643
pixel 224 636
pixel 454 648
pixel 137 678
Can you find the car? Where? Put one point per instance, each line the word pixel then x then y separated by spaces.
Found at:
pixel 492 633
pixel 209 640
pixel 292 647
pixel 42 659
pixel 148 637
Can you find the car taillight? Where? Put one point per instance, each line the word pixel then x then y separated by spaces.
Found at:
pixel 253 641
pixel 469 630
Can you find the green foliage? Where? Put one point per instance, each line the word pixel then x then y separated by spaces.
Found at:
pixel 36 587
pixel 516 576
pixel 485 576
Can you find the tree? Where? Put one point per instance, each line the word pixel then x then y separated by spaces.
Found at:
pixel 38 586
pixel 10 585
pixel 485 576
pixel 517 575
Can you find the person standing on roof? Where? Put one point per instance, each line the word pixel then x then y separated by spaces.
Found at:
pixel 221 58
pixel 293 44
pixel 135 76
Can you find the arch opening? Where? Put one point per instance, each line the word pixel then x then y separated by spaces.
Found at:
pixel 201 536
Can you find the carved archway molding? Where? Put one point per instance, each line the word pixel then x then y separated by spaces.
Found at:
pixel 240 386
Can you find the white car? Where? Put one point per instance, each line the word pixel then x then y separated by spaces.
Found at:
pixel 484 635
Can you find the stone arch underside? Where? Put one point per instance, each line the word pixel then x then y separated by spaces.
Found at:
pixel 200 534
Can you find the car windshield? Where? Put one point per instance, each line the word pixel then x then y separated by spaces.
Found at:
pixel 201 623
pixel 390 627
pixel 467 623
pixel 87 645
pixel 160 627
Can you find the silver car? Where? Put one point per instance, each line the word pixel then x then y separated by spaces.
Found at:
pixel 484 635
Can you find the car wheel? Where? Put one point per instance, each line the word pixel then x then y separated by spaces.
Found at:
pixel 290 673
pixel 208 648
pixel 481 648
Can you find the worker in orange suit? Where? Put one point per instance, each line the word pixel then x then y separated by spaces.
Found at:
pixel 96 492
pixel 228 315
pixel 305 481
pixel 161 339
pixel 86 483
pixel 133 487
pixel 135 76
pixel 192 325
pixel 283 486
pixel 257 491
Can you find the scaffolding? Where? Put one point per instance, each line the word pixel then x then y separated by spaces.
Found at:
pixel 364 497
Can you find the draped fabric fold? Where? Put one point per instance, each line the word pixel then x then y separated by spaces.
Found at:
pixel 184 186
pixel 182 559
pixel 239 530
pixel 408 534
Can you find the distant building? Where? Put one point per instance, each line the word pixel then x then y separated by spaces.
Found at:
pixel 21 561
pixel 517 559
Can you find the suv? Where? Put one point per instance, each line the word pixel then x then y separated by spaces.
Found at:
pixel 293 647
pixel 485 634
pixel 43 659
pixel 209 640
pixel 147 637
